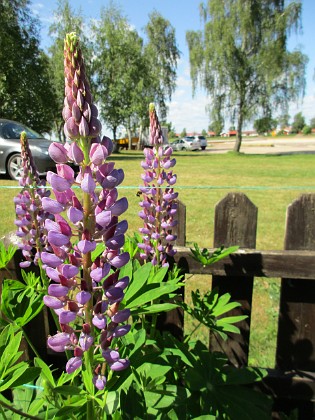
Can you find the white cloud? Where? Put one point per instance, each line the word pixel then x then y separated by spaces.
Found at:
pixel 307 107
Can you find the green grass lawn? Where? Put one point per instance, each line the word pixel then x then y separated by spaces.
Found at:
pixel 271 183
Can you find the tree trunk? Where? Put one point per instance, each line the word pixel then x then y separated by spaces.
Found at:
pixel 115 145
pixel 140 140
pixel 238 140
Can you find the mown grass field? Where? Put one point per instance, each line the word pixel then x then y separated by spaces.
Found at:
pixel 271 183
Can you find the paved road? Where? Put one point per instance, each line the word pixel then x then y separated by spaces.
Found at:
pixel 263 145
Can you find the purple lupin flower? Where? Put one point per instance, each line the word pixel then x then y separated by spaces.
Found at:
pixel 30 213
pixel 79 279
pixel 158 206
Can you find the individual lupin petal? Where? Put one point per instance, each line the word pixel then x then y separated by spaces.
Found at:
pixel 65 317
pixel 100 272
pixel 52 206
pixel 53 274
pixel 121 364
pixel 95 127
pixel 114 294
pixel 53 302
pixel 25 264
pixel 75 153
pixel 119 207
pixel 122 283
pixel 83 297
pixel 86 246
pixel 59 341
pixel 85 341
pixel 84 128
pixel 106 141
pixel 99 320
pixel 120 260
pixel 56 238
pixel 98 153
pixel 51 259
pixel 69 270
pixel 88 184
pixel 103 218
pixel 73 364
pixel 58 152
pixel 110 355
pixel 99 381
pixel 57 290
pixel 116 242
pixel 121 330
pixel 76 113
pixel 121 316
pixel 74 215
pixel 71 128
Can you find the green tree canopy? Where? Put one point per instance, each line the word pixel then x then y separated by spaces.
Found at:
pixel 264 125
pixel 298 123
pixel 26 92
pixel 241 58
pixel 161 54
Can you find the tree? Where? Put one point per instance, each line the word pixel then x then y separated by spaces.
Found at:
pixel 66 20
pixel 283 120
pixel 298 123
pixel 204 133
pixel 264 125
pixel 26 93
pixel 312 122
pixel 241 57
pixel 161 53
pixel 120 71
pixel 183 133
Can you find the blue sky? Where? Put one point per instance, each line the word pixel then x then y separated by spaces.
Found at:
pixel 184 110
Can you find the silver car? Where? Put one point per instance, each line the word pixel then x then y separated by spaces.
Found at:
pixel 186 143
pixel 10 149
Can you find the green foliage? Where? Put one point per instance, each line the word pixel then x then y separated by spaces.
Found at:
pixel 264 125
pixel 306 130
pixel 6 254
pixel 241 57
pixel 13 373
pixel 21 302
pixel 208 308
pixel 312 122
pixel 298 123
pixel 26 90
pixel 183 133
pixel 206 258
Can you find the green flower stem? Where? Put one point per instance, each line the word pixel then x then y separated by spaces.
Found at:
pixel 88 225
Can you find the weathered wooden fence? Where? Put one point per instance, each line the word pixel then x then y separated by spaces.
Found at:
pixel 292 381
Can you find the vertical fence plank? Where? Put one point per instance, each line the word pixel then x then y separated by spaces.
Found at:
pixel 296 332
pixel 235 224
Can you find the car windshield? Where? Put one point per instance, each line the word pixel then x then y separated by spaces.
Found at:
pixel 11 130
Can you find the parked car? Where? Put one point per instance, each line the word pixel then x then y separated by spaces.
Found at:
pixel 203 141
pixel 186 143
pixel 10 149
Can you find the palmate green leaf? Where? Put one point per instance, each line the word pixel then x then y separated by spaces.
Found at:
pixel 20 303
pixel 206 258
pixel 6 254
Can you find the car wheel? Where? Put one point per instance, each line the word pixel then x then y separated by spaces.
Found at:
pixel 14 166
pixel 203 147
pixel 183 149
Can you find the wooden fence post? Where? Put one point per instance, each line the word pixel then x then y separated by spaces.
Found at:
pixel 235 224
pixel 296 333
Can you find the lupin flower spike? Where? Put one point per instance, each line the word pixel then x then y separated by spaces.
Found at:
pixel 30 215
pixel 85 291
pixel 159 204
